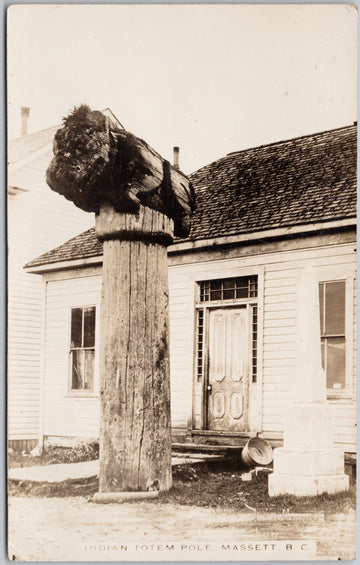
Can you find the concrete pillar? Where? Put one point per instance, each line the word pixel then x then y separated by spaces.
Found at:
pixel 308 464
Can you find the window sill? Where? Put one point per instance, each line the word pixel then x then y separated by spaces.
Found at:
pixel 340 396
pixel 81 394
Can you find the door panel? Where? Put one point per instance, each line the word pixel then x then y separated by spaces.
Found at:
pixel 227 393
pixel 236 405
pixel 218 404
pixel 219 351
pixel 236 334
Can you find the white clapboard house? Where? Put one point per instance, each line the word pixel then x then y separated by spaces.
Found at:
pixel 38 219
pixel 262 215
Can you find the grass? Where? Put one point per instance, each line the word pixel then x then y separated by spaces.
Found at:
pixel 208 484
pixel 217 484
pixel 70 487
pixel 87 451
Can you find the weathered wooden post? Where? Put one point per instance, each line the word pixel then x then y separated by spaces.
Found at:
pixel 140 201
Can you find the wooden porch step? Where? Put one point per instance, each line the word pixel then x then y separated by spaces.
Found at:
pixel 220 450
pixel 197 456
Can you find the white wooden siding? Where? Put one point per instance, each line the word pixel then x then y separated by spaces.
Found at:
pixel 65 413
pixel 79 417
pixel 38 220
pixel 279 319
pixel 182 320
pixel 280 315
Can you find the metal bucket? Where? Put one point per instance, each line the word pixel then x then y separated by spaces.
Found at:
pixel 257 452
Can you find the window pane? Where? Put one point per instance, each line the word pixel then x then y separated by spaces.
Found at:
pixel 228 293
pixel 229 289
pixel 89 369
pixel 242 292
pixel 242 287
pixel 321 305
pixel 76 327
pixel 89 326
pixel 215 290
pixel 323 347
pixel 77 369
pixel 335 308
pixel 206 291
pixel 253 286
pixel 335 363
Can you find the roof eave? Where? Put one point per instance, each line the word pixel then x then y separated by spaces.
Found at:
pixel 62 265
pixel 198 244
pixel 264 234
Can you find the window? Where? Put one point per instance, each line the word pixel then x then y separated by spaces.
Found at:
pixel 254 337
pixel 82 348
pixel 332 329
pixel 228 289
pixel 200 344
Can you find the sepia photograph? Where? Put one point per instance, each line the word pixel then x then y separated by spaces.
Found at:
pixel 181 282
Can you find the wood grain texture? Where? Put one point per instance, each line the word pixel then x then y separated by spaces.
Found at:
pixel 134 366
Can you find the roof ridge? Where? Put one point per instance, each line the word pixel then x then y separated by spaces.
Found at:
pixel 318 133
pixel 38 131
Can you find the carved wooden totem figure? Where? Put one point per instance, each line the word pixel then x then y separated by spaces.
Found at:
pixel 140 202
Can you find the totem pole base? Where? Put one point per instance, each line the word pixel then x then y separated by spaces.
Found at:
pixel 135 436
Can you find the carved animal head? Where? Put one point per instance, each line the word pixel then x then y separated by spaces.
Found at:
pixel 81 156
pixel 94 164
pixel 87 167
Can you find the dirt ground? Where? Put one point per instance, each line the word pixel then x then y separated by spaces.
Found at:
pixel 62 529
pixel 211 512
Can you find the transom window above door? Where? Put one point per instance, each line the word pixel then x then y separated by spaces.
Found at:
pixel 229 289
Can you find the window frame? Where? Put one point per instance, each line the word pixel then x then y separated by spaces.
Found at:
pixel 326 276
pixel 204 294
pixel 81 391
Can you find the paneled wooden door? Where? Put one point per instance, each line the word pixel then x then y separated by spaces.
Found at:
pixel 227 386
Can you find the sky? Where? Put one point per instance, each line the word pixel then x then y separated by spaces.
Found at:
pixel 210 79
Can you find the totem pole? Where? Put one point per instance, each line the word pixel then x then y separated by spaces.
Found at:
pixel 140 203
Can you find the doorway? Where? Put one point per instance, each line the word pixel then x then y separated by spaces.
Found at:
pixel 228 370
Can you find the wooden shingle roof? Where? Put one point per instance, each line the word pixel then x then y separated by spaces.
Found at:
pixel 303 180
pixel 300 181
pixel 24 146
